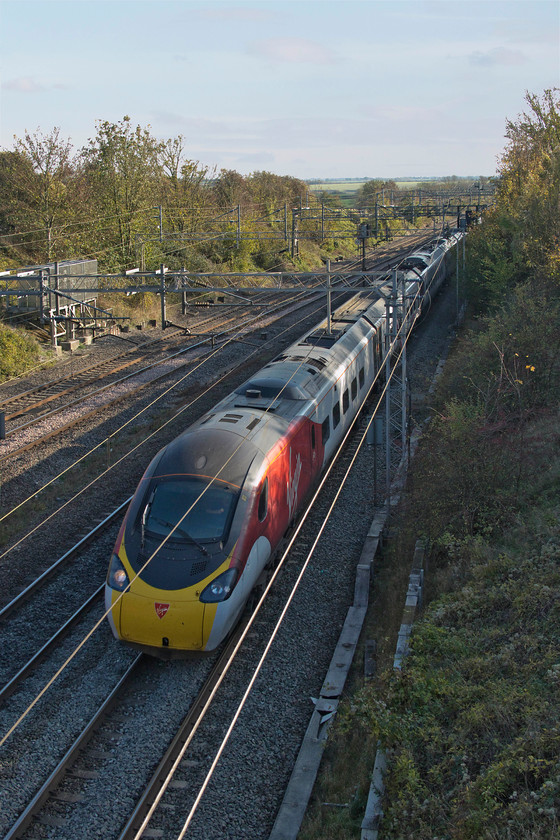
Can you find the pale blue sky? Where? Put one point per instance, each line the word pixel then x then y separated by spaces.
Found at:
pixel 313 88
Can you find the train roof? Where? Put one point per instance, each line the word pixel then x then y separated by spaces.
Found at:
pixel 307 368
pixel 208 452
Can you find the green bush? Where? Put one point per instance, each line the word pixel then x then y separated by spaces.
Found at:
pixel 471 724
pixel 18 352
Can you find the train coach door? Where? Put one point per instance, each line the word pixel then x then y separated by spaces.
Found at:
pixel 376 354
pixel 313 447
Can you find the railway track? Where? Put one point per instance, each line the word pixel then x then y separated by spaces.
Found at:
pixel 34 400
pixel 66 574
pixel 49 787
pixel 194 763
pixel 56 794
pixel 79 756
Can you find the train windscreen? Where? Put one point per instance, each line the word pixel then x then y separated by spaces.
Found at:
pixel 209 515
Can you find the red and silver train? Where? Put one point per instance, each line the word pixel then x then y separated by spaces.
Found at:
pixel 214 503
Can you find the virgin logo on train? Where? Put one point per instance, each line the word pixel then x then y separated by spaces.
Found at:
pixel 161 609
pixel 293 482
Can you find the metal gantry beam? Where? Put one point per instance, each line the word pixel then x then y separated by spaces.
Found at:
pixel 316 220
pixel 191 283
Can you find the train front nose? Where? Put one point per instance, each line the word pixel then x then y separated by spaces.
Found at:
pixel 170 623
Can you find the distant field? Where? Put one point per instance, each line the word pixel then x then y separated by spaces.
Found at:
pixel 345 191
pixel 409 185
pixel 337 186
pixel 354 186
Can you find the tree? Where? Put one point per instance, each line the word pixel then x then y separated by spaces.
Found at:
pixel 271 191
pixel 37 180
pixel 368 192
pixel 520 240
pixel 230 189
pixel 125 168
pixel 184 189
pixel 530 180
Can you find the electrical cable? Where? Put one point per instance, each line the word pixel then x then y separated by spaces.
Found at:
pixel 276 628
pixel 134 578
pixel 117 431
pixel 70 658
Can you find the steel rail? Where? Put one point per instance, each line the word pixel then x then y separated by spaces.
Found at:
pixel 213 337
pixel 81 380
pixel 100 390
pixel 189 722
pixel 8 689
pixel 75 374
pixel 26 593
pixel 70 756
pixel 150 345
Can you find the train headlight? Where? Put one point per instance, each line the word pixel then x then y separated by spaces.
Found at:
pixel 220 589
pixel 117 577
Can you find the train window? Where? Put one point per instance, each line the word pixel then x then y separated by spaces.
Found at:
pixel 313 437
pixel 326 429
pixel 345 401
pixel 336 415
pixel 354 387
pixel 179 510
pixel 263 501
pixel 361 377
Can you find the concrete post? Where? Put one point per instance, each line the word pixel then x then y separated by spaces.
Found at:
pixel 162 294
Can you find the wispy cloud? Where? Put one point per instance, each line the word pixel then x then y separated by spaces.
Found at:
pixel 500 56
pixel 293 51
pixel 23 84
pixel 240 13
pixel 526 32
pixel 256 158
pixel 28 84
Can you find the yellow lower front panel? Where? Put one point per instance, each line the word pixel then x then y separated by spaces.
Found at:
pixel 164 623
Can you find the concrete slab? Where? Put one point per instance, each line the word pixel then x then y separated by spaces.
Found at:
pixel 344 653
pixel 361 587
pixel 300 786
pixel 374 809
pixel 71 345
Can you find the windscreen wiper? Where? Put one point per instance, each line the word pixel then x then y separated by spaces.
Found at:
pixel 183 531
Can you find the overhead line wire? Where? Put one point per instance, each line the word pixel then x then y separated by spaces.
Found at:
pixel 135 577
pixel 164 541
pixel 117 431
pixel 254 615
